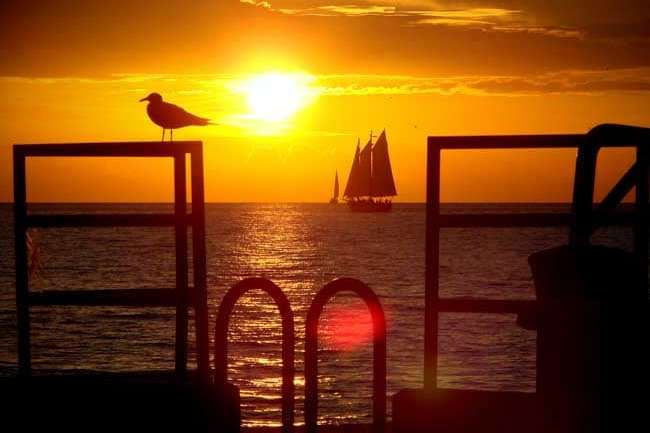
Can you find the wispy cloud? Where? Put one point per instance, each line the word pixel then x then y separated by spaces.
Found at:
pixel 342 10
pixel 262 4
pixel 414 13
pixel 576 82
pixel 211 87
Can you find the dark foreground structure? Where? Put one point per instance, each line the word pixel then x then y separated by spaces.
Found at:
pixel 590 315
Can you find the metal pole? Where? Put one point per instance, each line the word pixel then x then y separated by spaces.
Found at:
pixel 22 278
pixel 180 232
pixel 642 215
pixel 432 264
pixel 200 272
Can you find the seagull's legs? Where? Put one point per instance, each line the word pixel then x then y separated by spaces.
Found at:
pixel 171 135
pixel 163 137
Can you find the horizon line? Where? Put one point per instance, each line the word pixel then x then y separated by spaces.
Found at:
pixel 289 202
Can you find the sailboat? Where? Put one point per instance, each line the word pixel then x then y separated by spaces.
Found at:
pixel 335 197
pixel 370 184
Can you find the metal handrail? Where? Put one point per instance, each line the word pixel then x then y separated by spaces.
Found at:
pixel 180 220
pixel 583 219
pixel 379 350
pixel 288 340
pixel 587 219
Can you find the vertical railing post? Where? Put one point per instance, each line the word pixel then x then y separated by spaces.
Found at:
pixel 379 372
pixel 22 277
pixel 583 190
pixel 311 369
pixel 642 214
pixel 180 233
pixel 199 260
pixel 432 267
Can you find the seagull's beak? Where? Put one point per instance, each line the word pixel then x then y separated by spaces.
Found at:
pixel 144 99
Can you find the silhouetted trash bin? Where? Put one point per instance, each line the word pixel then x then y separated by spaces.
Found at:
pixel 591 333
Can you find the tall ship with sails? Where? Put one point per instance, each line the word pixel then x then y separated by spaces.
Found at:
pixel 371 186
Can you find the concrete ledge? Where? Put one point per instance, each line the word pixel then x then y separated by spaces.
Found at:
pixel 464 411
pixel 118 402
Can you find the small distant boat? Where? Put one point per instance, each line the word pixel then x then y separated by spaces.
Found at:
pixel 371 186
pixel 335 197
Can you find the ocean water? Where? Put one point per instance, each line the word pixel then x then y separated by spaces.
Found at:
pixel 300 247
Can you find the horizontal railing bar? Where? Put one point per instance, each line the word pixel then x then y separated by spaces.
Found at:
pixel 505 220
pixel 107 297
pixel 521 220
pixel 494 306
pixel 114 149
pixel 543 141
pixel 104 220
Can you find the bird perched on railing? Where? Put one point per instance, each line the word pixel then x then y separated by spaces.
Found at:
pixel 170 116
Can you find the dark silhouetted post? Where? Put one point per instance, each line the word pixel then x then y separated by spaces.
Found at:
pixel 642 214
pixel 583 192
pixel 200 272
pixel 432 267
pixel 22 278
pixel 180 232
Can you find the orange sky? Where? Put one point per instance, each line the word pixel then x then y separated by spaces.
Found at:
pixel 75 72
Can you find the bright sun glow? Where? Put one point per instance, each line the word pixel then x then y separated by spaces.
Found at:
pixel 276 97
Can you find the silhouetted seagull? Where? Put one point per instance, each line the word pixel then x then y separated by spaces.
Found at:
pixel 170 116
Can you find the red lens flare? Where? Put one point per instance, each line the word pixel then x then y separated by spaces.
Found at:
pixel 346 328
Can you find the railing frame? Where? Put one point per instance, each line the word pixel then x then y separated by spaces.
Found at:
pixel 179 297
pixel 379 350
pixel 583 219
pixel 288 340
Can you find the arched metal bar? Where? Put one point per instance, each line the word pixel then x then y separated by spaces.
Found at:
pixel 288 340
pixel 379 350
pixel 586 218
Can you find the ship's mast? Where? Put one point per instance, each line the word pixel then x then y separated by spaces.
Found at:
pixel 371 137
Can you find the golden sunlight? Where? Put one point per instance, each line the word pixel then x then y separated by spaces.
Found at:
pixel 276 97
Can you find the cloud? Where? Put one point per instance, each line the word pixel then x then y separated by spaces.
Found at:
pixel 586 82
pixel 261 4
pixel 419 13
pixel 342 10
pixel 211 87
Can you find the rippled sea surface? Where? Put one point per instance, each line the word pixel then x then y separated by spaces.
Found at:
pixel 300 247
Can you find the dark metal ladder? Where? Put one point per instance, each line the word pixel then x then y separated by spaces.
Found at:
pixel 181 297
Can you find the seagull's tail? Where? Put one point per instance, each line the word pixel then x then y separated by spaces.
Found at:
pixel 201 121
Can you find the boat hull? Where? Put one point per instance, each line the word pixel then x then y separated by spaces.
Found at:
pixel 370 206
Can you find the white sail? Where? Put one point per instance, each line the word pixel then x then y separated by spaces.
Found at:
pixel 383 184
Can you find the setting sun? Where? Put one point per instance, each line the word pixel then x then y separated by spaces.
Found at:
pixel 275 97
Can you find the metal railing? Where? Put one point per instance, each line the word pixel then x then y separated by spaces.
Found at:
pixel 311 345
pixel 288 340
pixel 583 219
pixel 379 350
pixel 180 297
